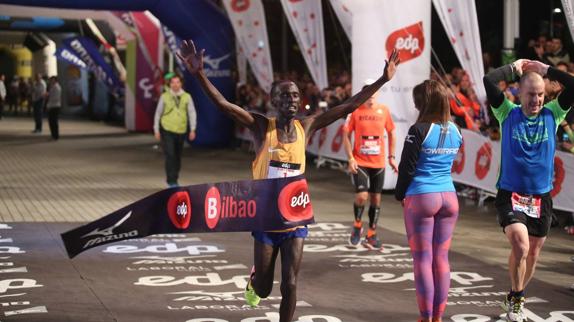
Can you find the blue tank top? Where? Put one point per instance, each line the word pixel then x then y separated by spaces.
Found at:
pixel 438 149
pixel 528 145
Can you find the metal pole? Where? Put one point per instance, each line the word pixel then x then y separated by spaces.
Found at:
pixel 551 18
pixel 516 19
pixel 510 14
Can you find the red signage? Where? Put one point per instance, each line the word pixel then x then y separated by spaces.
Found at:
pixel 179 209
pixel 338 139
pixel 212 207
pixel 294 202
pixel 483 160
pixel 240 5
pixel 559 174
pixel 458 164
pixel 409 41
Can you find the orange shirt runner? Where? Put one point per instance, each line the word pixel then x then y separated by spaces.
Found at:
pixel 369 126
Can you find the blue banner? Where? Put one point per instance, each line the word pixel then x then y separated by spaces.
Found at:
pixel 173 42
pixel 66 55
pixel 85 49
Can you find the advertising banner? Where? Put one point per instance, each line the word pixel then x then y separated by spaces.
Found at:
pixel 476 165
pixel 461 25
pixel 306 21
pixel 409 33
pixel 248 21
pixel 173 43
pixel 248 205
pixel 341 8
pixel 85 49
pixel 68 56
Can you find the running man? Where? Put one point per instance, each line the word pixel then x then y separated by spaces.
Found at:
pixel 528 145
pixel 279 141
pixel 367 163
pixel 427 192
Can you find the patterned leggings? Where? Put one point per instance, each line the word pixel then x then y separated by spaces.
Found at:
pixel 429 220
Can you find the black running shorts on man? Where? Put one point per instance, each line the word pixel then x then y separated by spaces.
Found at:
pixel 369 179
pixel 537 227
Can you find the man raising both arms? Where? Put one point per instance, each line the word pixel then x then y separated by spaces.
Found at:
pixel 280 144
pixel 367 163
pixel 528 145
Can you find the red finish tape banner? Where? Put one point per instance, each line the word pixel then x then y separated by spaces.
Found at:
pixel 248 205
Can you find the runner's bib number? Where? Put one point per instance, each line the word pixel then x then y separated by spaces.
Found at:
pixel 278 169
pixel 370 145
pixel 528 204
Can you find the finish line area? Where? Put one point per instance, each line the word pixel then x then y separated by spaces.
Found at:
pixel 48 188
pixel 201 278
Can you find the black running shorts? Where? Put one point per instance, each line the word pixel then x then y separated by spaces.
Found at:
pixel 537 227
pixel 369 179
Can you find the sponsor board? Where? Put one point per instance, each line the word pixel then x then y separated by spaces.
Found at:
pixel 409 41
pixel 215 207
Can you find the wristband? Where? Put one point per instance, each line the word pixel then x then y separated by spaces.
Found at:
pixel 391 156
pixel 351 159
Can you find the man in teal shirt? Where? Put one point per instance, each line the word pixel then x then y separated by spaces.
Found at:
pixel 528 145
pixel 175 110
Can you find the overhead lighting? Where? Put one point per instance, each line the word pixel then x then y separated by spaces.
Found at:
pixel 557 10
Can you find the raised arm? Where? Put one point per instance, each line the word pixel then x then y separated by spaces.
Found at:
pixel 566 98
pixel 508 73
pixel 193 61
pixel 316 122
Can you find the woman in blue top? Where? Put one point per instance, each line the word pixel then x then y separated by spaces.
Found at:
pixel 427 192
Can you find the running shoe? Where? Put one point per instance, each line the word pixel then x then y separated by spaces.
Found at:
pixel 516 310
pixel 356 235
pixel 251 298
pixel 506 303
pixel 373 243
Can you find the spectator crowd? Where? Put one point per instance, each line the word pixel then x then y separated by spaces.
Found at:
pixel 467 110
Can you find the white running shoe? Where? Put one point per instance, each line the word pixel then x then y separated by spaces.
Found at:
pixel 515 311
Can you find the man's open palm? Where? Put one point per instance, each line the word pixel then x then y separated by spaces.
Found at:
pixel 391 64
pixel 192 59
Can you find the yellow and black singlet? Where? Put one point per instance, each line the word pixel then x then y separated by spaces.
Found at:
pixel 277 160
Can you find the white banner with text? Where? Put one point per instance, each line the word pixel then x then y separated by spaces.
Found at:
pixel 476 165
pixel 248 21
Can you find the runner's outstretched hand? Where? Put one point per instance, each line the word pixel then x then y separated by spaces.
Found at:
pixel 192 59
pixel 391 65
